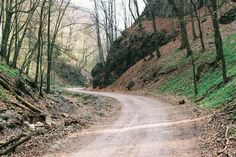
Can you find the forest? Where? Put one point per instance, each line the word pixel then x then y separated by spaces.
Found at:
pixel 118 78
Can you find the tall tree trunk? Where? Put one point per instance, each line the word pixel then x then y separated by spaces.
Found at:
pixel 199 25
pixel 51 42
pixel 138 14
pixel 194 75
pixel 19 40
pixel 7 30
pixel 115 20
pixel 99 42
pixel 39 43
pixel 49 49
pixel 41 71
pixel 2 15
pixel 125 13
pixel 131 10
pixel 16 54
pixel 193 24
pixel 185 41
pixel 218 39
pixel 154 25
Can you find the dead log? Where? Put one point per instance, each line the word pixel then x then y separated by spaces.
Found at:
pixel 15 145
pixel 18 105
pixel 20 86
pixel 23 101
pixel 28 105
pixel 11 141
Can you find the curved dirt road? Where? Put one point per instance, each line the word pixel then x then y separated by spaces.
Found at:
pixel 144 127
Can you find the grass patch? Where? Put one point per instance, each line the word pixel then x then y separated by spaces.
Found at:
pixel 209 84
pixel 10 72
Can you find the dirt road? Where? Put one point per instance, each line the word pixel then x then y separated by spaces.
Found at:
pixel 144 127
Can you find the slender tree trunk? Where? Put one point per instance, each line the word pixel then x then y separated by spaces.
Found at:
pixel 51 42
pixel 154 25
pixel 16 37
pixel 41 71
pixel 184 34
pixel 2 15
pixel 218 40
pixel 115 19
pixel 125 13
pixel 138 14
pixel 99 42
pixel 185 40
pixel 19 40
pixel 193 24
pixel 199 25
pixel 39 43
pixel 131 10
pixel 49 49
pixel 7 30
pixel 194 75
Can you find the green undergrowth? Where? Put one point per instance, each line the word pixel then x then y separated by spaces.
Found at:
pixel 10 72
pixel 212 93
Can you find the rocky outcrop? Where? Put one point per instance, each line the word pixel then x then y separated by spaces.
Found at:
pixel 125 52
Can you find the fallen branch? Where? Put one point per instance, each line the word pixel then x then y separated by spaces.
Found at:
pixel 24 102
pixel 13 147
pixel 18 105
pixel 11 141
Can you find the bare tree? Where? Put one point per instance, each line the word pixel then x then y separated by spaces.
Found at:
pixel 97 25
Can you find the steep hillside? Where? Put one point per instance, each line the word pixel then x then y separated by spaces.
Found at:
pixel 29 117
pixel 172 74
pixel 125 52
pixel 173 70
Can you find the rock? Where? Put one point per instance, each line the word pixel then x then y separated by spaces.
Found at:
pixel 65 115
pixel 130 85
pixel 58 124
pixel 182 102
pixel 40 128
pixel 69 128
pixel 30 127
pixel 39 124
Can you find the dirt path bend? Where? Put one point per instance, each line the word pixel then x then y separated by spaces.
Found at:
pixel 144 127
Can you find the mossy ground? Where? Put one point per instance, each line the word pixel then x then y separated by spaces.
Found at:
pixel 210 85
pixel 9 72
pixel 5 69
